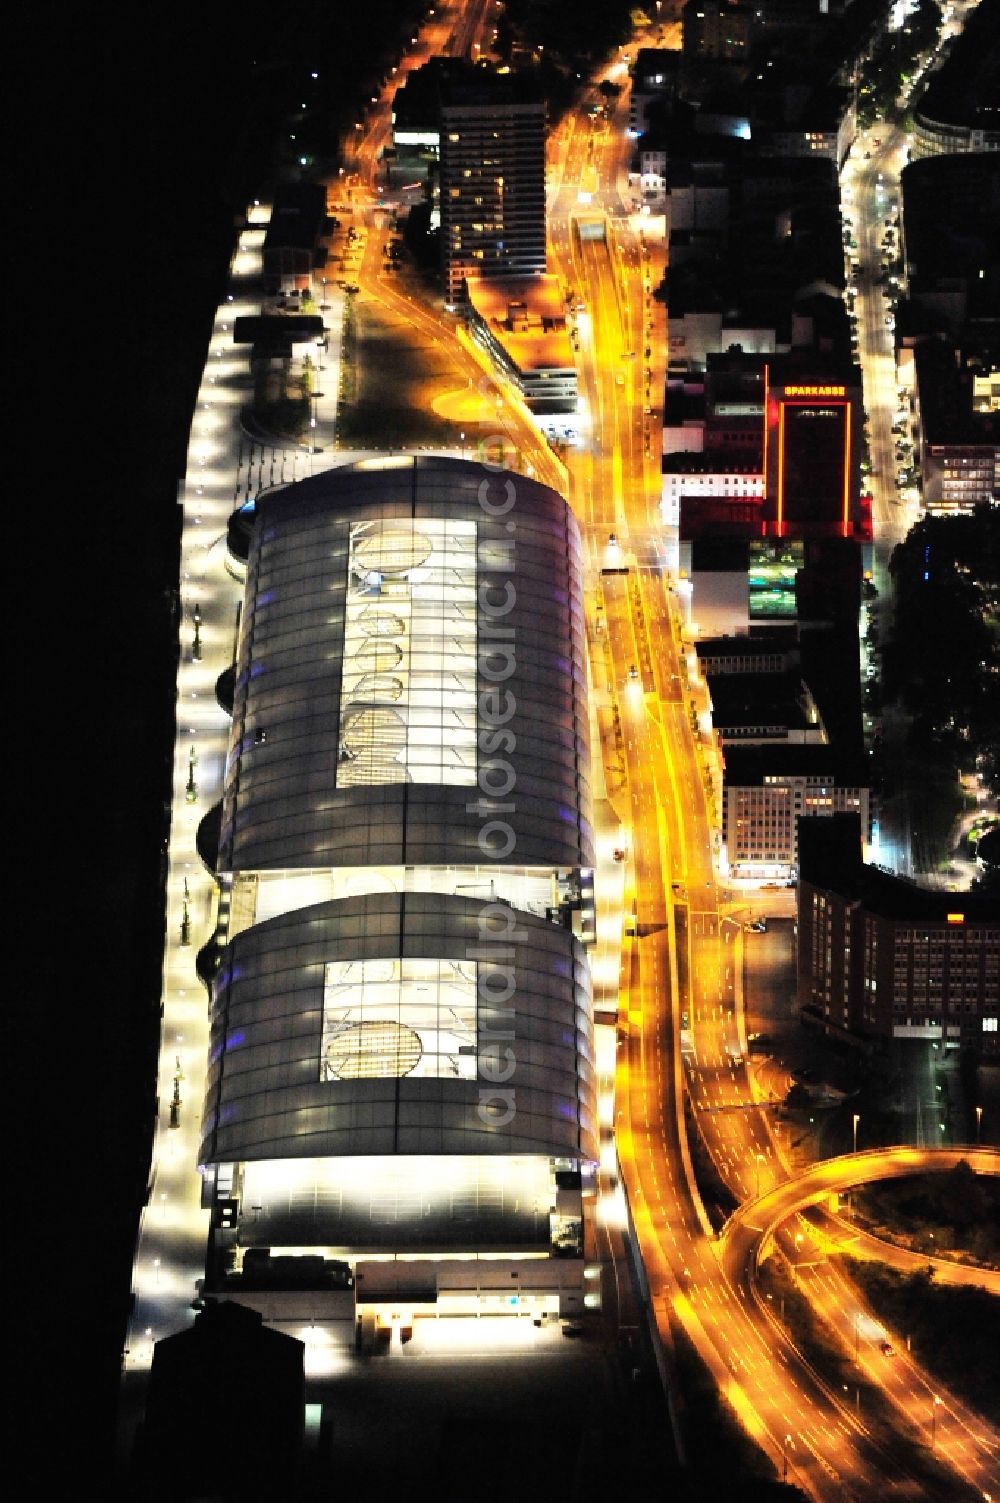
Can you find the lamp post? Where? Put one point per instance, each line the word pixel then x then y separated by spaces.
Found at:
pixel 934 1410
pixel 786 1442
pixel 760 1160
pixel 979 1123
pixel 854 1122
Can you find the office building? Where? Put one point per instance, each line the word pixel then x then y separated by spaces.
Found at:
pixel 716 31
pixel 520 322
pixel 492 179
pixel 768 790
pixel 881 959
pixel 654 82
pixel 812 448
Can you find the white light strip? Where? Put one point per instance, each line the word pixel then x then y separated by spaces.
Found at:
pixel 408 693
pixel 388 1018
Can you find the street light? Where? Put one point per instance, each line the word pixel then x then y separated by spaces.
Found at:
pixel 934 1411
pixel 855 1120
pixel 760 1160
pixel 784 1457
pixel 979 1123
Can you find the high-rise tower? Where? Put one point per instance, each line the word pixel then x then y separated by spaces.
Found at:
pixel 492 179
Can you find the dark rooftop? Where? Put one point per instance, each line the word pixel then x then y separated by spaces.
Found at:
pixel 275 334
pixel 720 555
pixel 479 86
pixel 298 215
pixel 691 462
pixel 750 765
pixel 760 643
pixel 951 211
pixel 444 81
pixel 945 393
pixel 682 405
pixel 830 857
pixel 653 61
pixel 720 527
pixel 775 700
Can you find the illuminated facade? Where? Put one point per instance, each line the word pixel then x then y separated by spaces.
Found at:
pixel 402 1059
pixel 773 567
pixel 492 182
pixel 812 449
pixel 769 790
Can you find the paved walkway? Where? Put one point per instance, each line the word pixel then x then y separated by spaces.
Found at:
pixel 223 469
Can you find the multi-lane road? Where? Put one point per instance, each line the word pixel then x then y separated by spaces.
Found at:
pixel 682 958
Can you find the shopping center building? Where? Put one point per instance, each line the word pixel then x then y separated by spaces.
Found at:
pixel 401 1102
